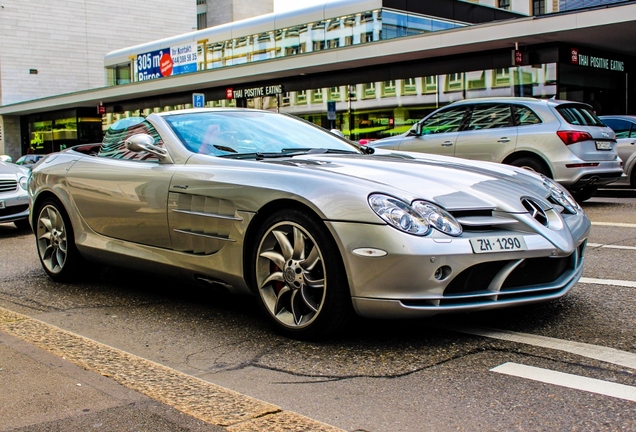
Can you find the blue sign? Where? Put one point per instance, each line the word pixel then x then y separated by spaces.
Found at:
pixel 154 64
pixel 198 100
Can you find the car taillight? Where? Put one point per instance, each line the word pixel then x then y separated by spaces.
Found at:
pixel 571 137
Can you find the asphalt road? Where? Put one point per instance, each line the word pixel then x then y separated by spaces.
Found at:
pixel 564 365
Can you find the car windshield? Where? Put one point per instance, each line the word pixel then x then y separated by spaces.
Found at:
pixel 253 134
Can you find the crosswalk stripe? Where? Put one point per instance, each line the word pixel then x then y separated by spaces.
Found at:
pixel 605 354
pixel 605 246
pixel 577 382
pixel 622 283
pixel 615 224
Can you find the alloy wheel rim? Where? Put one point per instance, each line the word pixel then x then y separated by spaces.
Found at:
pixel 51 239
pixel 291 276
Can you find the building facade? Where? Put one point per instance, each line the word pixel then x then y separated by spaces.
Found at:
pixel 52 48
pixel 211 13
pixel 370 67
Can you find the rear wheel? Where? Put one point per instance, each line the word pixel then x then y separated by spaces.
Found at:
pixel 299 276
pixel 532 164
pixel 56 243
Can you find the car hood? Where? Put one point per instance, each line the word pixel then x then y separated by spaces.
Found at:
pixel 11 170
pixel 453 183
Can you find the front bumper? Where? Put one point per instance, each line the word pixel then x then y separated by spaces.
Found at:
pixel 424 276
pixel 14 207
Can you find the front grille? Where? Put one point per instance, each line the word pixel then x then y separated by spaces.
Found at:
pixel 475 278
pixel 8 211
pixel 8 185
pixel 532 271
pixel 537 271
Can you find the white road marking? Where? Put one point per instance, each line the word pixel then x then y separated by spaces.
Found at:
pixel 622 283
pixel 615 224
pixel 591 385
pixel 598 245
pixel 605 354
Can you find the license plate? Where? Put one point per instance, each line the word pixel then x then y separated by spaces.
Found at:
pixel 603 145
pixel 2 204
pixel 498 244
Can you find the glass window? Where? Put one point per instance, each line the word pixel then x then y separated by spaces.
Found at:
pixel 501 78
pixel 525 116
pixel 368 90
pixel 504 4
pixel 486 116
pixel 579 115
pixel 538 7
pixel 202 20
pixel 454 82
pixel 448 120
pixel 389 88
pixel 622 128
pixel 430 84
pixel 409 86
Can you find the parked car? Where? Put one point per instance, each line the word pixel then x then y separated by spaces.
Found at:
pixel 6 158
pixel 562 140
pixel 28 160
pixel 14 200
pixel 625 128
pixel 314 226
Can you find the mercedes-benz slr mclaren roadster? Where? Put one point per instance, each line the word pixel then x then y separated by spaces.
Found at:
pixel 314 226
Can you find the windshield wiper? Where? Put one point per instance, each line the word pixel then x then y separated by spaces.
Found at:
pixel 287 152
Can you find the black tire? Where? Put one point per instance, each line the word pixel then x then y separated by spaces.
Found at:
pixel 632 180
pixel 584 194
pixel 298 276
pixel 55 243
pixel 22 224
pixel 532 164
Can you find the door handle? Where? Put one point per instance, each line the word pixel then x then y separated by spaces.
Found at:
pixel 503 140
pixel 447 143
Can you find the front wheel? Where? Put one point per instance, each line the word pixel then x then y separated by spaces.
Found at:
pixel 299 276
pixel 55 242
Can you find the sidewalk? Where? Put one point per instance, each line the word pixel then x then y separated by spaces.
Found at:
pixel 55 380
pixel 43 392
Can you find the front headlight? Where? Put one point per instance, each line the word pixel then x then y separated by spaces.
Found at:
pixel 438 218
pixel 416 219
pixel 561 196
pixel 22 181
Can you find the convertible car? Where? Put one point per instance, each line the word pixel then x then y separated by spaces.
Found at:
pixel 314 226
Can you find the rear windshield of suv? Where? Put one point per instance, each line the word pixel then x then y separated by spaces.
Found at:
pixel 579 115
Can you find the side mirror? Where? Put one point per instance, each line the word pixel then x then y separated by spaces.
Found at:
pixel 144 142
pixel 416 130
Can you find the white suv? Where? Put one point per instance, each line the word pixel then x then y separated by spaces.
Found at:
pixel 563 140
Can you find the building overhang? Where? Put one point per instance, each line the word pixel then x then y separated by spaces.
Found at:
pixel 607 28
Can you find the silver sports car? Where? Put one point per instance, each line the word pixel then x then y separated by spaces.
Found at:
pixel 314 226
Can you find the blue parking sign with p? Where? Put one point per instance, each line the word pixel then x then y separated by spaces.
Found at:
pixel 198 100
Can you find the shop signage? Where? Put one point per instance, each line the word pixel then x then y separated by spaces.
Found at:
pixel 578 58
pixel 166 62
pixel 253 92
